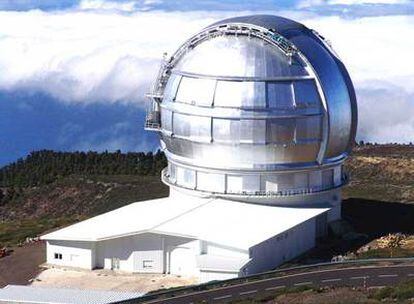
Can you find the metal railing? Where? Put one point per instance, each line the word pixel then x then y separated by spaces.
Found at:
pixel 166 294
pixel 165 177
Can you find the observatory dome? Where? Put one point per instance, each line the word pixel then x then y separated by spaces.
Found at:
pixel 254 104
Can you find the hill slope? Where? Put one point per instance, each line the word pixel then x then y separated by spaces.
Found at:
pixel 50 189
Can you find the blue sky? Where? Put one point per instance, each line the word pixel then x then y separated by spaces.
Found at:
pixel 73 73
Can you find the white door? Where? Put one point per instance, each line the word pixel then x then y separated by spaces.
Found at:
pixel 181 261
pixel 115 263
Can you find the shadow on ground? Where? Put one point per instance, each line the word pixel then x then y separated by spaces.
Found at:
pixel 369 218
pixel 375 218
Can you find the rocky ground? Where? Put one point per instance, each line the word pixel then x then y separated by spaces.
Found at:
pixel 107 280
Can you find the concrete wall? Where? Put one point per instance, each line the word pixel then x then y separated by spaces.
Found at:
pixel 220 250
pixel 73 253
pixel 280 248
pixel 145 253
pixel 181 256
pixel 206 276
pixel 132 251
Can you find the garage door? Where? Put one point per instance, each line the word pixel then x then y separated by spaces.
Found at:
pixel 182 261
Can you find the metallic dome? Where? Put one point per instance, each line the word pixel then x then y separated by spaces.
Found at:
pixel 254 104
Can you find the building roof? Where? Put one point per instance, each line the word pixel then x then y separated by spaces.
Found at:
pixel 234 224
pixel 30 294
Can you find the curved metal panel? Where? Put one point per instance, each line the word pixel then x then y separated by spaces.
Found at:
pixel 258 95
pixel 336 94
pixel 238 56
pixel 332 73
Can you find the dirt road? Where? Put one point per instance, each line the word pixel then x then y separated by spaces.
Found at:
pixel 22 265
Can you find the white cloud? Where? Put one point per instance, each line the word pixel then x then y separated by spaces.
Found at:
pixel 107 5
pixel 376 52
pixel 386 113
pixel 85 56
pixel 109 54
pixel 123 6
pixel 308 3
pixel 356 2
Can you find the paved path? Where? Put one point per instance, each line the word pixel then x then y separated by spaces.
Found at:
pixel 361 276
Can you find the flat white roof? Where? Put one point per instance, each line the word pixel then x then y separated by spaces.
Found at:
pixel 30 294
pixel 230 223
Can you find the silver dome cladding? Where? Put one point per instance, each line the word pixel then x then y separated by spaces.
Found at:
pixel 242 98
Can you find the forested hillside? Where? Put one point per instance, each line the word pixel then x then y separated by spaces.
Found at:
pixel 44 167
pixel 49 189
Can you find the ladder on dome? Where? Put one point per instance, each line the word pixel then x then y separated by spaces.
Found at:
pixel 153 115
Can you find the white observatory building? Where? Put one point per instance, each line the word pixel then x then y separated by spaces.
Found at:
pixel 256 115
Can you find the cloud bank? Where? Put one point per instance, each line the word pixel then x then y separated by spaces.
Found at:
pixel 108 52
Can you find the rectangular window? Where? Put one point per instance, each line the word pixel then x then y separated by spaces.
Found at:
pixel 270 183
pixel 306 93
pixel 196 91
pixel 308 128
pixel 210 182
pixel 301 180
pixel 171 88
pixel 281 131
pixel 234 184
pixel 58 256
pixel 280 95
pixel 253 131
pixel 166 120
pixel 327 178
pixel 285 181
pixel 186 177
pixel 226 130
pixel 236 131
pixel 194 127
pixel 172 172
pixel 251 183
pixel 148 264
pixel 240 94
pixel 337 176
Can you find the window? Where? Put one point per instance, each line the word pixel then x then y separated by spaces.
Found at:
pixel 308 128
pixel 172 172
pixel 226 130
pixel 194 127
pixel 234 184
pixel 240 94
pixel 171 88
pixel 327 178
pixel 236 131
pixel 253 131
pixel 280 95
pixel 301 180
pixel 58 256
pixel 148 264
pixel 186 177
pixel 196 91
pixel 166 120
pixel 306 93
pixel 280 131
pixel 210 182
pixel 285 181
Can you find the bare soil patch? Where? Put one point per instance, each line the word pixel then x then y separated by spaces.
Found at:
pixel 22 264
pixel 108 280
